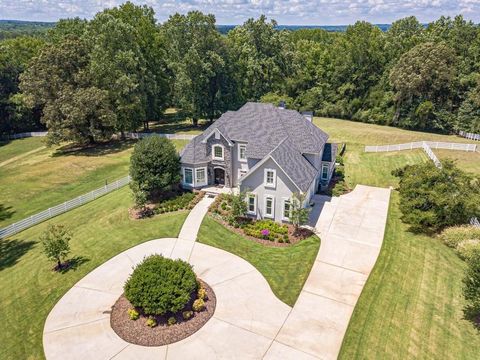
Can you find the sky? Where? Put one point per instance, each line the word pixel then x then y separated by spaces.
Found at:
pixel 294 12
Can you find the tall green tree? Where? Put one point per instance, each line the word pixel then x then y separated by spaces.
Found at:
pixel 15 56
pixel 427 72
pixel 263 57
pixel 198 59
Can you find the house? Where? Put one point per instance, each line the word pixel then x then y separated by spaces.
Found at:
pixel 267 151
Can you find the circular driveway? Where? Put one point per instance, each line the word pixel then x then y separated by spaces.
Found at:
pixel 247 317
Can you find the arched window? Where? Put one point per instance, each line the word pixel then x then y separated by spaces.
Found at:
pixel 217 152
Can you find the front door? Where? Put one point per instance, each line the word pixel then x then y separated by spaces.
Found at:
pixel 219 175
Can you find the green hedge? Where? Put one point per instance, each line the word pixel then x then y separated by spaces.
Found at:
pixel 159 285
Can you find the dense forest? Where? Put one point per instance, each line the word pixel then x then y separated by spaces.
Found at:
pixel 85 80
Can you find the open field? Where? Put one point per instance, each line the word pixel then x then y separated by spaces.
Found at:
pixel 47 177
pixel 29 289
pixel 411 306
pixel 285 269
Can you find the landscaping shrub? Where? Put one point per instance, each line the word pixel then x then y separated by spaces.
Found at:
pixel 151 322
pixel 159 285
pixel 202 293
pixel 432 198
pixel 187 315
pixel 467 248
pixel 179 202
pixel 471 289
pixel 133 314
pixel 198 305
pixel 454 235
pixel 266 229
pixel 171 321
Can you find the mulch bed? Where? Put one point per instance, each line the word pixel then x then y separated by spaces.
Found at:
pixel 137 332
pixel 301 234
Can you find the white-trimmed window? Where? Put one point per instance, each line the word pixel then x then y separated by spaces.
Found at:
pixel 188 176
pixel 270 178
pixel 324 172
pixel 242 152
pixel 269 206
pixel 241 172
pixel 217 152
pixel 251 204
pixel 286 208
pixel 201 176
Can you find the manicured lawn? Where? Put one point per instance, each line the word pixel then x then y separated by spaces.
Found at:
pixel 411 306
pixel 285 269
pixel 14 148
pixel 47 177
pixel 29 289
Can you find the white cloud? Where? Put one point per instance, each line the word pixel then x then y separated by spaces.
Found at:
pixel 322 12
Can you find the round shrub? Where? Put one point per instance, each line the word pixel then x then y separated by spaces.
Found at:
pixel 159 285
pixel 198 305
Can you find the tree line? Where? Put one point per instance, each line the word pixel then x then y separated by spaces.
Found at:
pixel 85 80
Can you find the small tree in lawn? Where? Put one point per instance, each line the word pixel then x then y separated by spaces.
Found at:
pixel 56 245
pixel 154 165
pixel 298 213
pixel 471 289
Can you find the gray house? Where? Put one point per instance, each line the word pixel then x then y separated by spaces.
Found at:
pixel 269 152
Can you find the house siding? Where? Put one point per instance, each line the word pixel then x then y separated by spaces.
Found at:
pixel 284 188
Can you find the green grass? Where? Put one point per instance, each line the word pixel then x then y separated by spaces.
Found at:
pixel 48 177
pixel 411 306
pixel 468 161
pixel 14 148
pixel 285 269
pixel 28 287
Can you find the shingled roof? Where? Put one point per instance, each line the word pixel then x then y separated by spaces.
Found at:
pixel 283 134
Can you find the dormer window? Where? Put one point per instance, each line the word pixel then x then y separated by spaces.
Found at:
pixel 270 178
pixel 217 151
pixel 242 152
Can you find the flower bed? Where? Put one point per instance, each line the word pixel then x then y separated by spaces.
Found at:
pixel 265 231
pixel 184 201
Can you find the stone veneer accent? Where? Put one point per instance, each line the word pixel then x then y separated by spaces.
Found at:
pixel 226 164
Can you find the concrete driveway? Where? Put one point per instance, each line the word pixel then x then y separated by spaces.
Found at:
pixel 247 318
pixel 351 228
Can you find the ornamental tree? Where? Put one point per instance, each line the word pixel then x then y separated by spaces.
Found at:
pixel 154 165
pixel 55 242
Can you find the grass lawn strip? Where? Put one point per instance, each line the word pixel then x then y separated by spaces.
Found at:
pixel 285 268
pixel 28 287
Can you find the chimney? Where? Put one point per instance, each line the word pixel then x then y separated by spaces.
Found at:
pixel 282 105
pixel 308 115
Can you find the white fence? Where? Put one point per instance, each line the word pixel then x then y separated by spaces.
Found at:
pixel 419 145
pixel 128 135
pixel 168 136
pixel 60 209
pixel 471 136
pixel 431 155
pixel 26 134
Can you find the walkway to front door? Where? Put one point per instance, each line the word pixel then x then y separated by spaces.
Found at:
pixel 219 176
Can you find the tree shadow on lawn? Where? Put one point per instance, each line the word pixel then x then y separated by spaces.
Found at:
pixel 6 212
pixel 73 264
pixel 12 250
pixel 472 314
pixel 98 149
